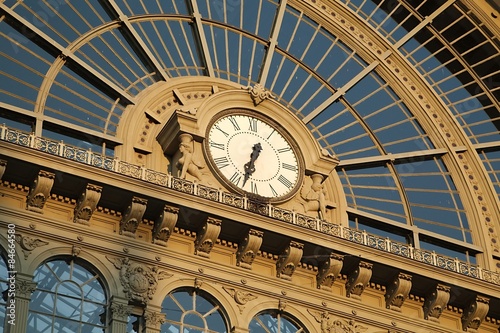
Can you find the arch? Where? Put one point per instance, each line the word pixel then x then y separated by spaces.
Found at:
pixel 221 298
pixel 299 315
pixel 69 294
pixel 109 280
pixel 196 308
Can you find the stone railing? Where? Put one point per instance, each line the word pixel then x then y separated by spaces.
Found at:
pixel 164 179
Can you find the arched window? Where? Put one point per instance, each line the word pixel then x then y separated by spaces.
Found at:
pixel 274 322
pixel 68 298
pixel 188 311
pixel 3 287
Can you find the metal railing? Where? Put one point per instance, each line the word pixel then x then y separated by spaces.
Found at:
pixel 87 156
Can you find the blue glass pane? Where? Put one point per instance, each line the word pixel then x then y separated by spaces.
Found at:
pixel 153 7
pixel 39 323
pixel 20 82
pixel 42 302
pixel 91 313
pixel 68 307
pixel 69 288
pixel 195 320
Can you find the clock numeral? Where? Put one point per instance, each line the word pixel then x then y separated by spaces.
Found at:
pixel 221 162
pixel 235 178
pixel 273 190
pixel 284 150
pixel 270 134
pixel 290 167
pixel 252 124
pixel 288 184
pixel 235 123
pixel 217 145
pixel 253 187
pixel 220 129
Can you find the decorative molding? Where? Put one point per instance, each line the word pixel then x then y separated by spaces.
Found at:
pixel 329 271
pixel 329 324
pixel 436 302
pixel 475 313
pixel 24 287
pixel 40 191
pixel 207 236
pixel 197 283
pixel 139 281
pixel 120 311
pixel 358 279
pixel 75 250
pixel 281 305
pixel 289 260
pixel 240 297
pixel 258 93
pixel 87 204
pixel 249 248
pixel 154 318
pixel 133 216
pixel 398 291
pixel 28 244
pixel 3 166
pixel 165 224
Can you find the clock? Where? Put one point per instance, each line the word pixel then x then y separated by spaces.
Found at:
pixel 253 154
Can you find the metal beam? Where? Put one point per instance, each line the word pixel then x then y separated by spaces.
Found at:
pixel 137 42
pixel 273 42
pixel 74 62
pixel 202 38
pixel 393 157
pixel 340 92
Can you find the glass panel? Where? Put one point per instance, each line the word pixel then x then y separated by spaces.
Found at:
pixel 491 161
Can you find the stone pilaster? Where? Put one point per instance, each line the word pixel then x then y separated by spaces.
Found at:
pixel 119 312
pixel 24 288
pixel 153 319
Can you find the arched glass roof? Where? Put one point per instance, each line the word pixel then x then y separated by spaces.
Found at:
pixel 404 93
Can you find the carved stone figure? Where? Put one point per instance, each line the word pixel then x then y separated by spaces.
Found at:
pixel 28 244
pixel 188 163
pixel 313 196
pixel 328 324
pixel 139 281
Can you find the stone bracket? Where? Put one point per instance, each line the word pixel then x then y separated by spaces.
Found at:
pixel 87 204
pixel 249 248
pixel 398 291
pixel 358 279
pixel 475 313
pixel 165 224
pixel 133 216
pixel 436 302
pixel 289 260
pixel 40 191
pixel 329 271
pixel 207 236
pixel 3 166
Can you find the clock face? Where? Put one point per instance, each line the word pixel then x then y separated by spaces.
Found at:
pixel 252 155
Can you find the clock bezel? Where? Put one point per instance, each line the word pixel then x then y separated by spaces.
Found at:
pixel 278 128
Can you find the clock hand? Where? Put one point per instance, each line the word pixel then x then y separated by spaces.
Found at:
pixel 250 166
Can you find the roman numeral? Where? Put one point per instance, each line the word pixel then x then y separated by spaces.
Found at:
pixel 235 178
pixel 235 124
pixel 284 150
pixel 216 145
pixel 220 129
pixel 289 167
pixel 273 190
pixel 221 162
pixel 284 181
pixel 253 187
pixel 252 124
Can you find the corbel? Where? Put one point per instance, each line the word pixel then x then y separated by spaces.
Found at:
pixel 165 224
pixel 475 313
pixel 3 166
pixel 358 279
pixel 329 271
pixel 249 248
pixel 289 260
pixel 436 302
pixel 398 291
pixel 40 191
pixel 87 204
pixel 207 236
pixel 133 216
